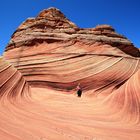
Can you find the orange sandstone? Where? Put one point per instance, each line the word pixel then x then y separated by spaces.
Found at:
pixel 44 61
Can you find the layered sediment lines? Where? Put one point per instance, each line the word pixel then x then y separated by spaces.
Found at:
pixel 43 63
pixel 12 84
pixel 64 66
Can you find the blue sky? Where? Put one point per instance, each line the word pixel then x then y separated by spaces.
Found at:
pixel 123 15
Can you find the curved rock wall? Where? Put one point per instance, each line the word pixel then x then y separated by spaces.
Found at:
pixel 46 58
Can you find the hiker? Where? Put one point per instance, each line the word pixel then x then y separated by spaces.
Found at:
pixel 79 90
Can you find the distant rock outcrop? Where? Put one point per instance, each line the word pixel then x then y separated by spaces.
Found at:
pixel 52 26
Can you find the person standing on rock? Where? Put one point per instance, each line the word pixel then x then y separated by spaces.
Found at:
pixel 79 90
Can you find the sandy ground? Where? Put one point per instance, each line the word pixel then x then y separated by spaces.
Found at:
pixel 52 115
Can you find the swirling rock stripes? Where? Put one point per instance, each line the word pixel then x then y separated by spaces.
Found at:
pixel 12 83
pixel 46 58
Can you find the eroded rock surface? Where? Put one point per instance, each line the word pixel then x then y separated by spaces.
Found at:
pixel 50 57
pixel 52 26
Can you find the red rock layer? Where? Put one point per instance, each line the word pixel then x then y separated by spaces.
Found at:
pixel 53 55
pixel 52 26
pixel 64 65
pixel 127 99
pixel 12 84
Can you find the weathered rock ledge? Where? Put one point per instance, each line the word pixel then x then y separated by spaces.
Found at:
pixel 51 25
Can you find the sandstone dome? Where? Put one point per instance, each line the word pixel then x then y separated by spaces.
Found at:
pixel 46 58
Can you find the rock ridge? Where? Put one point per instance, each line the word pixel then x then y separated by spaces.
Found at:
pixel 51 25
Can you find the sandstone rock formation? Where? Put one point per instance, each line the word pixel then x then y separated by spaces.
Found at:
pixel 50 56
